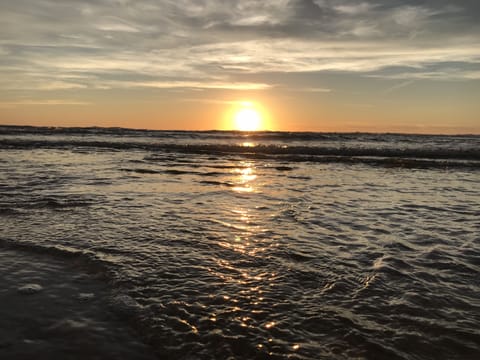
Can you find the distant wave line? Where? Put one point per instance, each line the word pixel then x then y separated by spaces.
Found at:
pixel 395 156
pixel 228 134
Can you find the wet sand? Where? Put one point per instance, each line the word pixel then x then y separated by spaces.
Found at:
pixel 52 309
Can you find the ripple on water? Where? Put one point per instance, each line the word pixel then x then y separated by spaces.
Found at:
pixel 329 260
pixel 63 317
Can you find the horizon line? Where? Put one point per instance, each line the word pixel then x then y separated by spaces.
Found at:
pixel 242 131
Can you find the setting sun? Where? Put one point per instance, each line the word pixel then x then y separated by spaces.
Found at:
pixel 247 118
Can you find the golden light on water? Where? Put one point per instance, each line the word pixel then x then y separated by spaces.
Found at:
pixel 244 179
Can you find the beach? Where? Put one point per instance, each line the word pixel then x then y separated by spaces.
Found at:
pixel 136 244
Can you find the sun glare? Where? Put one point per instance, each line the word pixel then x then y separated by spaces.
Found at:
pixel 247 118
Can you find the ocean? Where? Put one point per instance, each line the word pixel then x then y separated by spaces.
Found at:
pixel 137 244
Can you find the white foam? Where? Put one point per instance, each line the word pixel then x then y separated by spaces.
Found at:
pixel 86 296
pixel 30 289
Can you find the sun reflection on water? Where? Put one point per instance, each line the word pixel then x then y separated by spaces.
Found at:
pixel 245 175
pixel 241 264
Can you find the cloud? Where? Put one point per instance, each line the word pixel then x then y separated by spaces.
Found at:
pixel 103 44
pixel 114 24
pixel 451 71
pixel 48 102
pixel 355 8
pixel 399 86
pixel 190 84
pixel 315 90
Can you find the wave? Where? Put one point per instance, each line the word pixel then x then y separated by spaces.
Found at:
pixel 87 259
pixel 17 204
pixel 398 157
pixel 399 150
pixel 288 135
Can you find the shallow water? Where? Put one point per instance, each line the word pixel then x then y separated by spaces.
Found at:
pixel 275 245
pixel 53 309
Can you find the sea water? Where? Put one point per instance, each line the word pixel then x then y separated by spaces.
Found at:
pixel 229 245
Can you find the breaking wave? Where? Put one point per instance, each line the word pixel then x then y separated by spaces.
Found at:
pixel 397 150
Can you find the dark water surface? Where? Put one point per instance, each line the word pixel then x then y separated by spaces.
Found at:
pixel 217 245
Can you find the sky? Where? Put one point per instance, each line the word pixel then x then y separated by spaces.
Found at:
pixel 304 65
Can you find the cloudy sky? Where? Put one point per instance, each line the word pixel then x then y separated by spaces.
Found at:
pixel 320 65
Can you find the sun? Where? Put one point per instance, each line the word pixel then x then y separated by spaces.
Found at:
pixel 247 118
